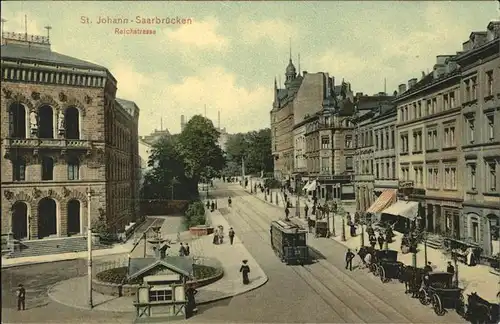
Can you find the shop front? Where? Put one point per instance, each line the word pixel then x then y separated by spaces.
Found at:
pixel 386 198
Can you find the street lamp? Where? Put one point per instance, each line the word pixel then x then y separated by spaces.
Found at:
pixel 89 247
pixel 455 279
pixel 297 190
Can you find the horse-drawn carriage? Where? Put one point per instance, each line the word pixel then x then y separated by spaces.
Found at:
pixel 385 264
pixel 438 289
pixel 481 311
pixel 412 277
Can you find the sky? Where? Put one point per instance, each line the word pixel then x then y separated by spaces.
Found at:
pixel 226 59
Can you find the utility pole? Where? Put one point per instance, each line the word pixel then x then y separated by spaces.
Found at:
pixel 89 246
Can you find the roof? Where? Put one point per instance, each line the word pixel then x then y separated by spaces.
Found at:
pixel 129 106
pixel 44 54
pixel 182 265
pixel 403 208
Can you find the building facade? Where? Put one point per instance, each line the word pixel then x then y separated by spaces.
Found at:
pixel 480 137
pixel 63 131
pixel 282 124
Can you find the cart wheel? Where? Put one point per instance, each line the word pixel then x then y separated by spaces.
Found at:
pixel 381 273
pixel 423 297
pixel 375 270
pixel 438 307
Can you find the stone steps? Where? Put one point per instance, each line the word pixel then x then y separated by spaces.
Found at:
pixel 53 246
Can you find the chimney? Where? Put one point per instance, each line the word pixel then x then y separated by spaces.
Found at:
pixel 411 83
pixel 401 88
pixel 466 46
pixel 493 30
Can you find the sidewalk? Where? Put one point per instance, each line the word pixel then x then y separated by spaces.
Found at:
pixel 473 279
pixel 229 286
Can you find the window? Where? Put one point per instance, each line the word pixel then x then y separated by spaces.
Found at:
pixel 472 176
pixel 417 141
pixel 382 139
pixel 434 106
pixel 47 168
pixel 450 177
pixel 387 170
pixel 376 142
pixel 449 136
pixel 432 139
pixel 428 107
pixel 393 170
pixel 407 117
pixel 405 173
pixel 491 127
pixel 387 139
pixel 19 172
pixel 419 109
pixel 160 295
pixel 446 102
pixel 475 230
pixel 377 171
pixel 325 142
pixel 433 177
pixel 17 121
pixel 392 138
pixel 325 164
pixel 419 174
pixel 348 141
pixel 73 169
pixel 489 83
pixel 348 163
pixel 404 143
pixel 467 94
pixel 415 114
pixel 474 88
pixel 452 99
pixel 470 129
pixel 492 177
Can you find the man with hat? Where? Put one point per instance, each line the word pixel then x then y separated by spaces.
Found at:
pixel 450 268
pixel 245 270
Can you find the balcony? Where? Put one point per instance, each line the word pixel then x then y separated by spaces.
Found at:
pixel 45 143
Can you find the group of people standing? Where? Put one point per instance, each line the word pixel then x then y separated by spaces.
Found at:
pixel 212 206
pixel 184 250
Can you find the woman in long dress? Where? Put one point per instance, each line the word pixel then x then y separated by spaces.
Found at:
pixel 245 270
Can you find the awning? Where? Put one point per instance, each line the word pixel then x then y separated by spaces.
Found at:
pixel 386 198
pixel 407 209
pixel 306 186
pixel 313 186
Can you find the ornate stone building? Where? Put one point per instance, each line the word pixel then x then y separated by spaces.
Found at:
pixel 282 123
pixel 480 137
pixel 63 131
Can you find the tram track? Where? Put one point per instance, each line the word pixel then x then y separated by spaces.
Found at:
pixel 371 309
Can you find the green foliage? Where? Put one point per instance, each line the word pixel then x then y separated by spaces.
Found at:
pixel 119 275
pixel 272 183
pixel 254 147
pixel 179 162
pixel 100 227
pixel 195 214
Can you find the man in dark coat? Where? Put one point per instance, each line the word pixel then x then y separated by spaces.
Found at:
pixel 373 240
pixel 380 240
pixel 191 302
pixel 182 250
pixel 306 210
pixel 245 270
pixel 450 268
pixel 21 297
pixel 428 267
pixel 229 201
pixel 231 235
pixel 212 206
pixel 187 250
pixel 348 259
pixel 287 212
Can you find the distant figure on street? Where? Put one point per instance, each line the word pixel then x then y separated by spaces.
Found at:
pixel 306 210
pixel 187 250
pixel 373 240
pixel 21 297
pixel 450 268
pixel 287 212
pixel 182 250
pixel 231 235
pixel 212 206
pixel 428 267
pixel 208 204
pixel 245 270
pixel 380 240
pixel 348 259
pixel 229 201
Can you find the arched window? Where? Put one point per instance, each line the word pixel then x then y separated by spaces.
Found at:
pixel 47 168
pixel 46 122
pixel 19 169
pixel 73 169
pixel 17 120
pixel 72 123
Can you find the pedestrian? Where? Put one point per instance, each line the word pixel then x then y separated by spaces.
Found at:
pixel 187 250
pixel 231 235
pixel 229 201
pixel 373 240
pixel 216 204
pixel 348 259
pixel 191 301
pixel 21 297
pixel 216 237
pixel 450 268
pixel 306 210
pixel 287 212
pixel 353 230
pixel 208 204
pixel 182 250
pixel 428 267
pixel 245 270
pixel 380 240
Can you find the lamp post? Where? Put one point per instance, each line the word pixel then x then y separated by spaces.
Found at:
pixel 455 279
pixel 89 247
pixel 342 211
pixel 297 192
pixel 363 220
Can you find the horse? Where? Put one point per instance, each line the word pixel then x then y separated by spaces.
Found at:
pixel 412 278
pixel 480 311
pixel 363 251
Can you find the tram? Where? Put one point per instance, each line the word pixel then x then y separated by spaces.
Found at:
pixel 289 242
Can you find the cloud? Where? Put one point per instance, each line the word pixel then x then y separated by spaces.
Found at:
pixel 241 109
pixel 199 35
pixel 275 30
pixel 130 82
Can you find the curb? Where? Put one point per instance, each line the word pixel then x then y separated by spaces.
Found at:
pixel 60 260
pixel 49 293
pixel 266 279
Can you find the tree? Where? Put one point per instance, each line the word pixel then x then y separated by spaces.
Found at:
pixel 198 147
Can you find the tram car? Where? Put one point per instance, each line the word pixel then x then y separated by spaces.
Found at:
pixel 289 242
